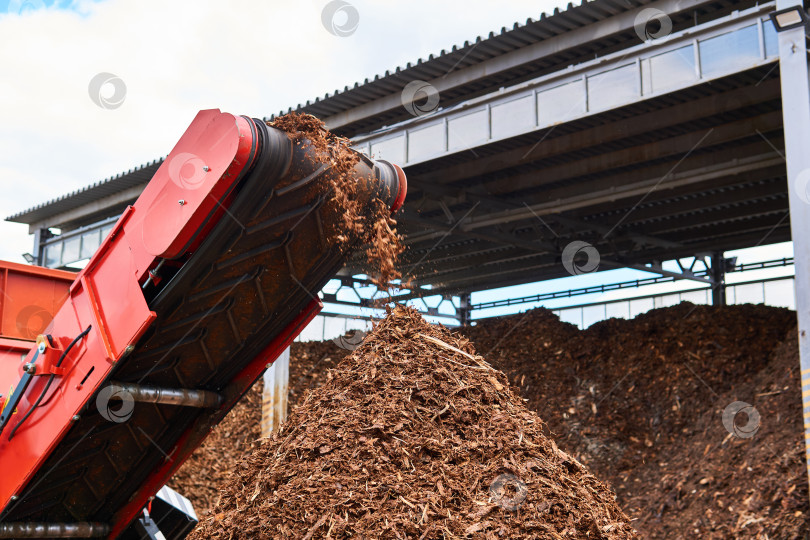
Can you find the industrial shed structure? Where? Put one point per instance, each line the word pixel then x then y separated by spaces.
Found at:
pixel 616 133
pixel 627 132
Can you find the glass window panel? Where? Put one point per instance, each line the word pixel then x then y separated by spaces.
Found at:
pixel 642 305
pixel 771 41
pixel 468 130
pixel 749 294
pixel 614 87
pixel 106 230
pixel 90 243
pixel 392 150
pixel 425 142
pixel 513 117
pixel 592 314
pixel 70 252
pixel 669 69
pixel 729 52
pixel 573 316
pixel 560 103
pixel 780 293
pixel 618 310
pixel 53 255
pixel 362 148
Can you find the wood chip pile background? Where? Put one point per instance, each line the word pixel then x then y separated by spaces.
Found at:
pixel 413 435
pixel 640 403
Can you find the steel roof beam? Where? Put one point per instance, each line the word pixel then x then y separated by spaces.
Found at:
pixel 676 148
pixel 623 22
pixel 670 116
pixel 612 194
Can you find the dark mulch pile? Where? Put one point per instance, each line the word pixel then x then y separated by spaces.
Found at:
pixel 413 435
pixel 628 399
pixel 640 402
pixel 717 485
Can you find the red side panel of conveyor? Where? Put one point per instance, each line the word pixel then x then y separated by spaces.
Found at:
pixel 184 193
pixel 186 445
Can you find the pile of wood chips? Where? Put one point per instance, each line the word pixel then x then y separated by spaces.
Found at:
pixel 641 403
pixel 380 244
pixel 209 467
pixel 413 435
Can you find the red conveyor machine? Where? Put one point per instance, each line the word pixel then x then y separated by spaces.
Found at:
pixel 198 287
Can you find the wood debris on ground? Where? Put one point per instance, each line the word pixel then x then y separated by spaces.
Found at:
pixel 205 472
pixel 627 398
pixel 408 438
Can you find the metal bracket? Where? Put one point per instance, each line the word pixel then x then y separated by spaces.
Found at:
pixel 10 405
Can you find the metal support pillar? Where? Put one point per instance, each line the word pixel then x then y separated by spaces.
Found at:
pixel 275 393
pixel 464 309
pixel 39 251
pixel 796 113
pixel 718 273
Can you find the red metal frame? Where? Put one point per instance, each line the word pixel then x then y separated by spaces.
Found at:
pixel 164 222
pixel 182 202
pixel 188 443
pixel 29 296
pixel 403 189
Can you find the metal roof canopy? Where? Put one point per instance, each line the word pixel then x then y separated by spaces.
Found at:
pixel 695 171
pixel 554 42
pixel 671 175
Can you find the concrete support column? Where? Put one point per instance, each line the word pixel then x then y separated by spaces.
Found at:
pixel 274 395
pixel 796 113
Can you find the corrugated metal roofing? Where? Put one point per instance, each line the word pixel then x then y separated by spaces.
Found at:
pixel 391 82
pixel 75 199
pixel 468 54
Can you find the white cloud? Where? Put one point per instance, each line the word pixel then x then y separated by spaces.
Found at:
pixel 244 56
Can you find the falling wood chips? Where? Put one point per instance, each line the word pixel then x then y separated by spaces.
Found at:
pixel 411 438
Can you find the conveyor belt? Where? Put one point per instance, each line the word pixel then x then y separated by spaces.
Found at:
pixel 256 270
